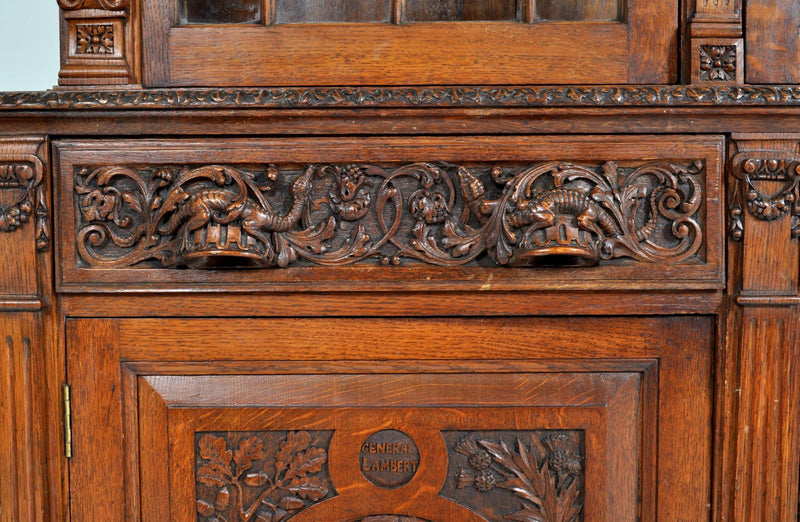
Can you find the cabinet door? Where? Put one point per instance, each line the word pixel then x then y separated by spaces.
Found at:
pixel 408 42
pixel 387 419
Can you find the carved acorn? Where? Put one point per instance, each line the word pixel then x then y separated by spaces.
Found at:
pixel 256 480
pixel 223 499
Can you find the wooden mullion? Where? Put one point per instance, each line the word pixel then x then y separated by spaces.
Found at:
pixel 269 11
pixel 528 11
pixel 398 11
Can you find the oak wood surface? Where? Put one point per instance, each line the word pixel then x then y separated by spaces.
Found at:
pixel 93 370
pixel 178 399
pixel 678 381
pixel 202 304
pixel 772 44
pixel 417 54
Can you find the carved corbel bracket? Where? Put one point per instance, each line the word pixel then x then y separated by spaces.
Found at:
pixel 22 196
pixel 768 188
pixel 97 43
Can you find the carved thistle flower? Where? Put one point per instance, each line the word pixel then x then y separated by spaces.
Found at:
pixel 562 458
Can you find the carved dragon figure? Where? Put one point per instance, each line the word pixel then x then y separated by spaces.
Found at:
pixel 225 206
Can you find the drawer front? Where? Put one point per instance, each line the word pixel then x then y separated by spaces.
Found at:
pixel 437 419
pixel 394 213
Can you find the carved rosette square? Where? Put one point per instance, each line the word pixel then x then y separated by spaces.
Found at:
pixel 718 63
pixel 94 39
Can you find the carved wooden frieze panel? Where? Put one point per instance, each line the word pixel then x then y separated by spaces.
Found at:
pixel 260 476
pixel 22 196
pixel 517 475
pixel 549 213
pixel 768 188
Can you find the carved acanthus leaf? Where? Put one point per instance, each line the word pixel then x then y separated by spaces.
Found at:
pixel 433 213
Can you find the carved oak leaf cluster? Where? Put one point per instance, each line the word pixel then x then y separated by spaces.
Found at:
pixel 440 214
pixel 542 475
pixel 281 486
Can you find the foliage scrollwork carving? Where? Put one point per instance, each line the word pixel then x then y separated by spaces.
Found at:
pixel 434 213
pixel 770 183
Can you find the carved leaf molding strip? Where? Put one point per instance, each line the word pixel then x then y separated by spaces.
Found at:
pixel 770 189
pixel 264 476
pixel 457 96
pixel 433 213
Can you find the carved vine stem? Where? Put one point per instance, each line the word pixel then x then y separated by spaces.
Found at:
pixel 432 213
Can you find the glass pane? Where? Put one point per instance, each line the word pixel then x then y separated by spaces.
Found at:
pixel 315 11
pixel 579 10
pixel 459 10
pixel 220 11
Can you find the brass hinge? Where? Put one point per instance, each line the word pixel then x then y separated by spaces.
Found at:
pixel 67 423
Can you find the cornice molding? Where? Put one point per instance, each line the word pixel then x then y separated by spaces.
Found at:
pixel 387 97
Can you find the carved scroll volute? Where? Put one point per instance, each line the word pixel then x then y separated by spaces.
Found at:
pixel 97 41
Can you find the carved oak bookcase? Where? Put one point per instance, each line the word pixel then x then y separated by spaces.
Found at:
pixel 404 261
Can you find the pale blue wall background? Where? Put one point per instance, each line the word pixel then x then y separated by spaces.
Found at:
pixel 28 45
